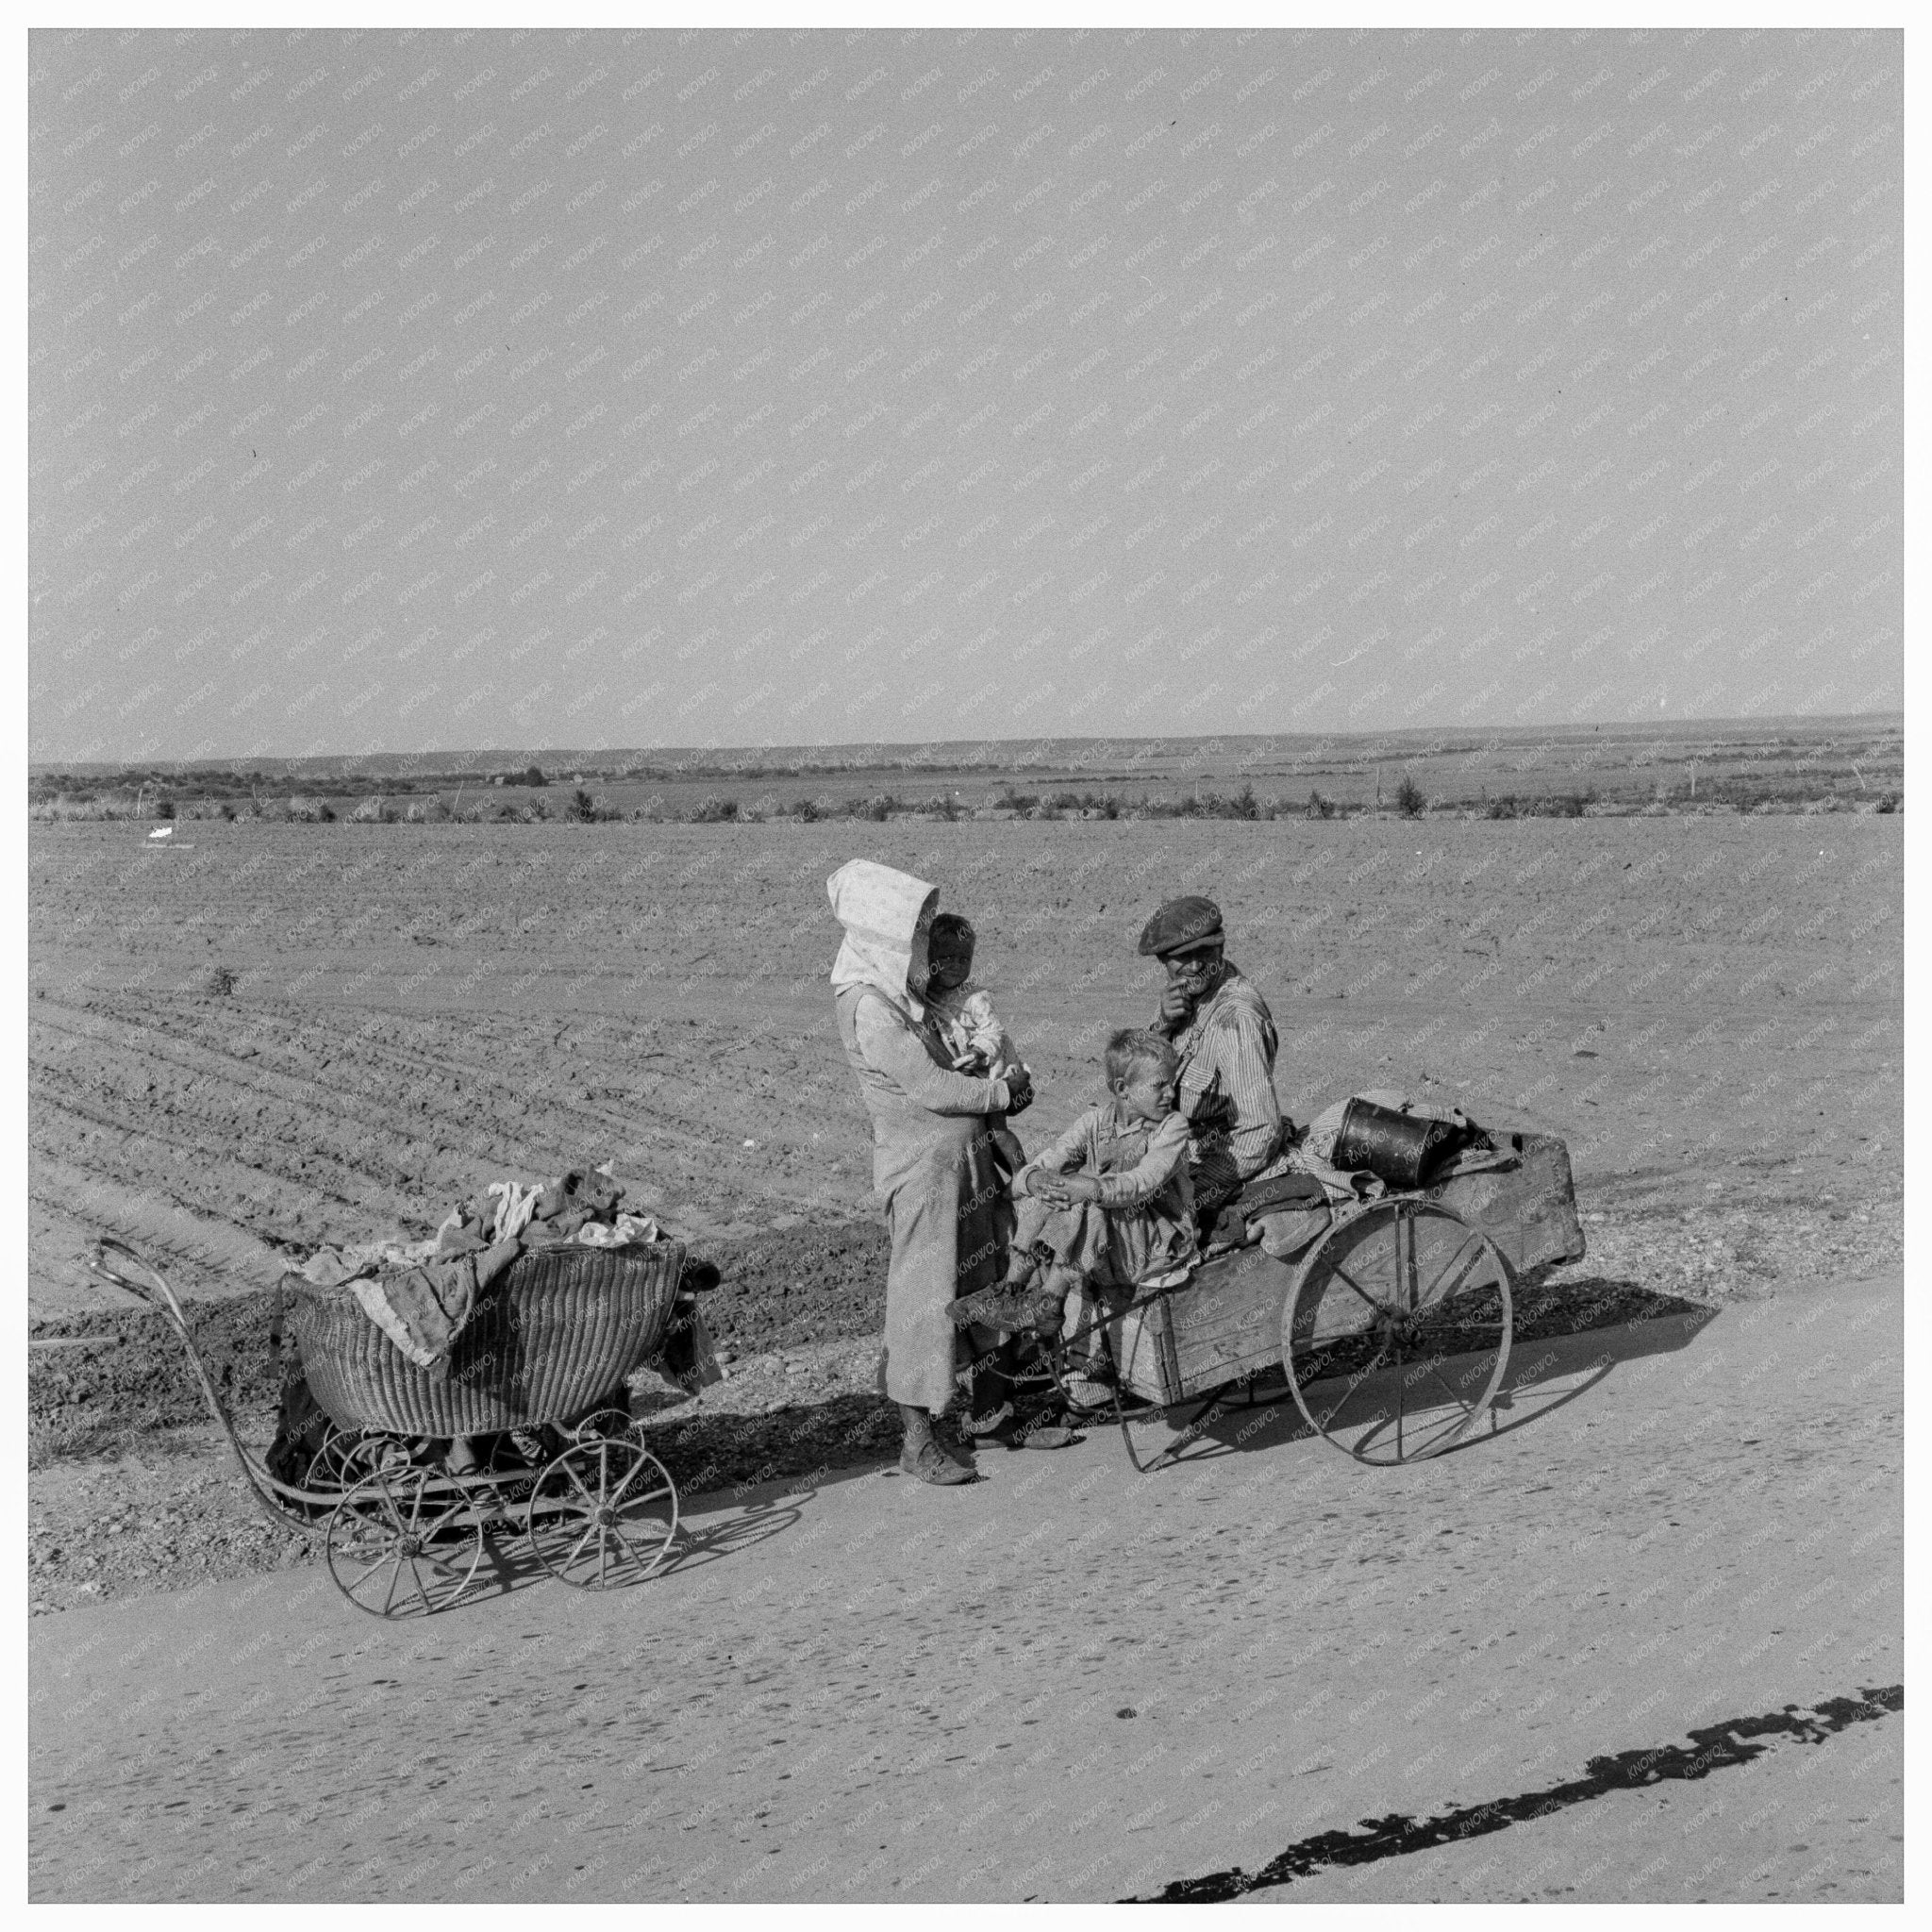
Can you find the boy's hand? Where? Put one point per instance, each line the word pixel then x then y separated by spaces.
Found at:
pixel 1050 1188
pixel 1080 1186
pixel 1019 1090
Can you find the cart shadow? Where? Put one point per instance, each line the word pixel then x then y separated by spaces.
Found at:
pixel 1569 1337
pixel 783 1461
pixel 734 1535
pixel 509 1565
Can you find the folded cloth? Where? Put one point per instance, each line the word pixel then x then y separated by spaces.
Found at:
pixel 328 1268
pixel 424 1309
pixel 626 1230
pixel 515 1206
pixel 331 1267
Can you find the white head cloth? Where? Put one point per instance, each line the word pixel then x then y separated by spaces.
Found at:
pixel 886 915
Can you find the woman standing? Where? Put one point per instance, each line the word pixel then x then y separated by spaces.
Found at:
pixel 946 1204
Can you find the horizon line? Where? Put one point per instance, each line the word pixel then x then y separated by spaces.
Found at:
pixel 918 751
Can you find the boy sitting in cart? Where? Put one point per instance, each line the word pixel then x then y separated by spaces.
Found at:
pixel 1107 1208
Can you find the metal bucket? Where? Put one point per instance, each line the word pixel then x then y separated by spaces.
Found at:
pixel 1399 1149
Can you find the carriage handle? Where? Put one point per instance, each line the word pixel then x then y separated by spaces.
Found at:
pixel 157 1295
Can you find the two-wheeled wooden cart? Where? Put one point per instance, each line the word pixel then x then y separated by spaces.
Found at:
pixel 1390 1330
pixel 535 1383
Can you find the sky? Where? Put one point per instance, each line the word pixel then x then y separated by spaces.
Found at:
pixel 444 390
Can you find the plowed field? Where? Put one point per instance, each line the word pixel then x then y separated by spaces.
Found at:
pixel 1709 1009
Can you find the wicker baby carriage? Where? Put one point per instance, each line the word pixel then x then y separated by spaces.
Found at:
pixel 555 1338
pixel 404 1531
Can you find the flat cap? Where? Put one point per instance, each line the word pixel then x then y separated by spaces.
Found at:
pixel 1182 926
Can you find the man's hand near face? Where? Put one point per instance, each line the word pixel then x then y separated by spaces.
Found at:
pixel 1189 975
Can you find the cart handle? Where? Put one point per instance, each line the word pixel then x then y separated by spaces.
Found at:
pixel 159 1295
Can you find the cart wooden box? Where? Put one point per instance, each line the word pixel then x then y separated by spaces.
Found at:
pixel 1227 1322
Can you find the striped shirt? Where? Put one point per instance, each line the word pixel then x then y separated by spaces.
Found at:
pixel 1228 1048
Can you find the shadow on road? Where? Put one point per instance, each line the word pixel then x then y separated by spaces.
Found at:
pixel 734 1535
pixel 722 1457
pixel 1568 1339
pixel 1712 1747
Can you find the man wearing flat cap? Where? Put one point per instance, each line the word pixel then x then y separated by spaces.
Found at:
pixel 1224 1035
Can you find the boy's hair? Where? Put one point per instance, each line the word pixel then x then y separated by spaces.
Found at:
pixel 1134 1046
pixel 951 935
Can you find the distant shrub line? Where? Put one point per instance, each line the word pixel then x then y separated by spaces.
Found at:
pixel 488 806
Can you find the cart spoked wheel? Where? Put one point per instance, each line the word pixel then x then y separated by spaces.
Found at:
pixel 1396 1332
pixel 604 1513
pixel 403 1543
pixel 1181 1425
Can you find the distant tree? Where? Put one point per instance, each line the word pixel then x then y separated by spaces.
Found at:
pixel 582 809
pixel 533 775
pixel 1410 800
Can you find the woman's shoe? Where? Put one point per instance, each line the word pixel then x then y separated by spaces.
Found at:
pixel 929 1463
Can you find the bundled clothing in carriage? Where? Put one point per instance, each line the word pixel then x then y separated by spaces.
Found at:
pixel 429 1315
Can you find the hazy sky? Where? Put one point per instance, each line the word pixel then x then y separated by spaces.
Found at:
pixel 453 390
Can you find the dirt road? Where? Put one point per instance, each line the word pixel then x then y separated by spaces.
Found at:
pixel 1643 1643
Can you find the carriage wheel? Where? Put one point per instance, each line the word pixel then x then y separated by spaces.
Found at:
pixel 328 1466
pixel 403 1543
pixel 602 1513
pixel 604 1425
pixel 1396 1332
